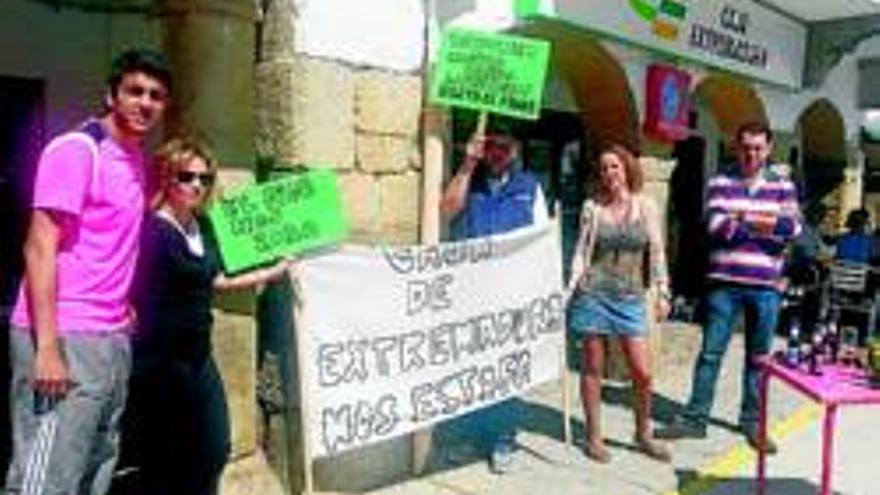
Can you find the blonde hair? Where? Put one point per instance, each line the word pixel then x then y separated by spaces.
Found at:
pixel 171 158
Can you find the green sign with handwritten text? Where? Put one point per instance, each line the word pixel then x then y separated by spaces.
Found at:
pixel 286 216
pixel 497 73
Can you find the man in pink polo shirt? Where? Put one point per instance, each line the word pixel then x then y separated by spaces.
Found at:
pixel 69 342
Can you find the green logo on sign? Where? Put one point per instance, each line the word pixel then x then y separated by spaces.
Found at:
pixel 665 16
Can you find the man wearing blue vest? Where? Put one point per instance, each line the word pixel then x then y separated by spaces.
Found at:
pixel 492 193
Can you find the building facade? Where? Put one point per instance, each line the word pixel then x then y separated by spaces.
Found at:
pixel 341 84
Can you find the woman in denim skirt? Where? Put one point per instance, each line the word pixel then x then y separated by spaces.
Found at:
pixel 618 258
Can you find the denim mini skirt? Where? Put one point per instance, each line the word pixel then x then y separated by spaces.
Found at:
pixel 601 313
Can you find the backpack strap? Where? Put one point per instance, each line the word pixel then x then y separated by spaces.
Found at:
pixel 94 130
pixel 95 133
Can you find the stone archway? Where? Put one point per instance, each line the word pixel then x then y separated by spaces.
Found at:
pixel 823 134
pixel 730 101
pixel 597 82
pixel 830 41
pixel 722 104
pixel 600 111
pixel 823 155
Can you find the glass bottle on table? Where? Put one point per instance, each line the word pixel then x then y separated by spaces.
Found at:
pixel 849 337
pixel 793 355
pixel 816 352
pixel 832 339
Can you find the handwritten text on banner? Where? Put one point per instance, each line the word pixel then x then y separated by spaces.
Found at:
pixel 399 338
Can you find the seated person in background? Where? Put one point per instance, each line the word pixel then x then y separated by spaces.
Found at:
pixel 807 248
pixel 855 244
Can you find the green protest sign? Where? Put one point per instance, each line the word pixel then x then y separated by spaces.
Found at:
pixel 286 216
pixel 497 73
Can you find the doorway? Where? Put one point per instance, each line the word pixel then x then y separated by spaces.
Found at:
pixel 688 243
pixel 22 133
pixel 556 149
pixel 822 159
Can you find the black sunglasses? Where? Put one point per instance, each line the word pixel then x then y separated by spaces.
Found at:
pixel 185 177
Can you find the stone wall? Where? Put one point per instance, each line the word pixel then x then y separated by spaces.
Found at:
pixel 363 123
pixel 207 43
pixel 234 341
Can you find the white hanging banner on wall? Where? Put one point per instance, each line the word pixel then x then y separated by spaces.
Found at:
pixel 393 340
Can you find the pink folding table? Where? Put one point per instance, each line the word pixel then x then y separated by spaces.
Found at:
pixel 836 386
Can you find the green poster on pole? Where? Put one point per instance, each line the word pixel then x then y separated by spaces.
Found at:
pixel 286 216
pixel 497 73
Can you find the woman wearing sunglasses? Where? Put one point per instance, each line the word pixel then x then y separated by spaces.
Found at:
pixel 176 429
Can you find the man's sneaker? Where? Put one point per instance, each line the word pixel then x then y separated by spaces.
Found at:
pixel 753 437
pixel 502 457
pixel 681 427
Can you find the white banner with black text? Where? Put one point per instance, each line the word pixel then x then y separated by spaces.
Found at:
pixel 395 339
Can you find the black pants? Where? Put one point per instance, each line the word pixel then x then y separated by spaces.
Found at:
pixel 175 430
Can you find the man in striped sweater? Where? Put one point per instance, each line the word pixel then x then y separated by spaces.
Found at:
pixel 752 216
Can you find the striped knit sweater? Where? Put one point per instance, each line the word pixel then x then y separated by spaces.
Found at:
pixel 739 253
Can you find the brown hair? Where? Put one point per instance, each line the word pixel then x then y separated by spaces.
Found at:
pixel 754 128
pixel 150 62
pixel 634 176
pixel 171 157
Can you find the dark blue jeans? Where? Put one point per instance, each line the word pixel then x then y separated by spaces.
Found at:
pixel 490 426
pixel 724 303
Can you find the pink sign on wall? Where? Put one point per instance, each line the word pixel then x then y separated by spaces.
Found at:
pixel 667 102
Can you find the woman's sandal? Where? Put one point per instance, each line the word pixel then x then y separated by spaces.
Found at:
pixel 597 452
pixel 653 449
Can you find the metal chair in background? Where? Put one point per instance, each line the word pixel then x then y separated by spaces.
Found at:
pixel 850 290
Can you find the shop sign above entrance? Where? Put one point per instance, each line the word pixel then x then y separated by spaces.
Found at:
pixel 737 35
